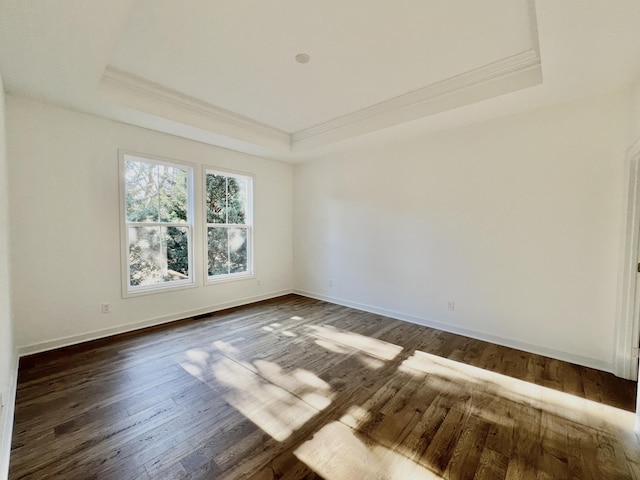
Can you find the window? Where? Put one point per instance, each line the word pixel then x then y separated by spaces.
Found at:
pixel 228 201
pixel 158 224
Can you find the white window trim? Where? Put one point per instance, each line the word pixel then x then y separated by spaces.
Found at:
pixel 231 277
pixel 127 290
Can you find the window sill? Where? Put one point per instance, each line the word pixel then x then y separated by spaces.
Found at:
pixel 229 278
pixel 152 290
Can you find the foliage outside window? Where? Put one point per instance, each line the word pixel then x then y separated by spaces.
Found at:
pixel 158 198
pixel 228 216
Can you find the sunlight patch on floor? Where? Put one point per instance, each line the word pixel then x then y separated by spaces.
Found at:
pixel 199 356
pixel 225 347
pixel 355 416
pixel 262 392
pixel 278 328
pixel 336 452
pixel 438 370
pixel 281 401
pixel 344 341
pixel 193 370
pixel 196 363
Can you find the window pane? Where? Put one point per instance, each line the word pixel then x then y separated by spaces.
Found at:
pixel 228 250
pixel 173 194
pixel 218 251
pixel 158 255
pixel 177 241
pixel 141 186
pixel 216 198
pixel 145 256
pixel 237 250
pixel 237 200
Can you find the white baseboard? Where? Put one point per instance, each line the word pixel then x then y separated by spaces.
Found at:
pixel 427 322
pixel 507 342
pixel 6 420
pixel 129 327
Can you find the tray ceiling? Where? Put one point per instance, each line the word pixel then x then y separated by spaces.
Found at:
pixel 240 56
pixel 225 72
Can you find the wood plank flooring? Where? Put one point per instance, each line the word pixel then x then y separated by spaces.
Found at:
pixel 296 388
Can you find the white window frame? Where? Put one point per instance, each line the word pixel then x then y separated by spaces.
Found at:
pixel 230 277
pixel 127 289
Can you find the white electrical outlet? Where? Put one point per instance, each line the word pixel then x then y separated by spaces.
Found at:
pixel 451 305
pixel 105 308
pixel 330 283
pixel 258 282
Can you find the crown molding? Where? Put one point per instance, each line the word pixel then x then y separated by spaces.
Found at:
pixel 140 94
pixel 503 76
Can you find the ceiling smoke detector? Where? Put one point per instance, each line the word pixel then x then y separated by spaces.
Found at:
pixel 302 58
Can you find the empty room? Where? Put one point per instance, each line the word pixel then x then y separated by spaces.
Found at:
pixel 319 240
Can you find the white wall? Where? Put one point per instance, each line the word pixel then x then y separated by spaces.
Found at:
pixel 518 220
pixel 7 348
pixel 65 226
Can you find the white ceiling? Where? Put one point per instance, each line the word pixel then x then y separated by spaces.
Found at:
pixel 240 55
pixel 224 72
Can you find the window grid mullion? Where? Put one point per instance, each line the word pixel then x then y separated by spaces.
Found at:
pixel 227 225
pixel 158 224
pixel 157 168
pixel 226 199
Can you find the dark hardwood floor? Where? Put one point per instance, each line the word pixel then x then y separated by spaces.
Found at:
pixel 296 388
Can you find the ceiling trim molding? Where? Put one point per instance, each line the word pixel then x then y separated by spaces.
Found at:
pixel 503 76
pixel 140 94
pixel 520 70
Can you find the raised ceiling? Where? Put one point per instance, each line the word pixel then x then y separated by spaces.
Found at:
pixel 241 55
pixel 225 72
